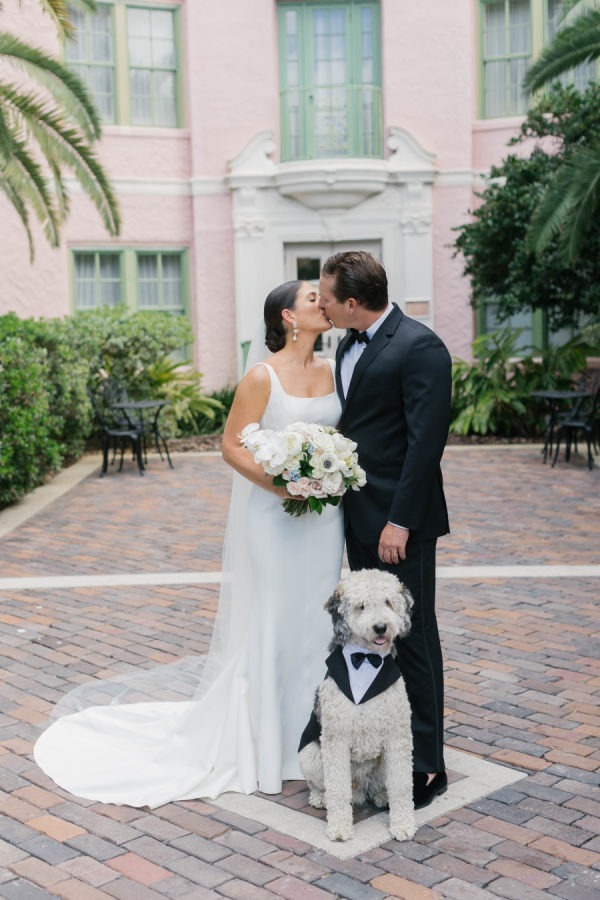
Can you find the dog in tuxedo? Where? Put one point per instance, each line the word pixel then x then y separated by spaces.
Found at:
pixel 358 743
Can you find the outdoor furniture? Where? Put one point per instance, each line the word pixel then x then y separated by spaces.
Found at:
pixel 560 404
pixel 134 411
pixel 586 419
pixel 117 433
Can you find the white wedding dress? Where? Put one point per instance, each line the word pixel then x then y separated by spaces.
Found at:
pixel 230 720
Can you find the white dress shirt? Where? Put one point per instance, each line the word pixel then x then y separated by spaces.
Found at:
pixel 351 356
pixel 362 678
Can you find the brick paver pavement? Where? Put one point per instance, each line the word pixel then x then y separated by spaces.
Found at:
pixel 522 689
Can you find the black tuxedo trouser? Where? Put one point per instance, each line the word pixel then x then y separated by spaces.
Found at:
pixel 420 653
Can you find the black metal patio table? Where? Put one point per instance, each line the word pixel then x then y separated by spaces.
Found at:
pixel 556 403
pixel 134 411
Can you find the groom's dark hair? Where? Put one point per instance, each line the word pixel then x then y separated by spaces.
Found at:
pixel 358 274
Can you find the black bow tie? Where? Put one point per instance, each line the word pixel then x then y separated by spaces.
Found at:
pixel 360 337
pixel 359 658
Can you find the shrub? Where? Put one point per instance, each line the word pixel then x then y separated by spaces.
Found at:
pixel 492 394
pixel 27 447
pixel 123 344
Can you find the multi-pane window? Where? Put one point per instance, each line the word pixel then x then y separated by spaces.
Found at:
pixel 139 279
pixel 152 66
pixel 92 56
pixel 160 282
pixel 127 54
pixel 581 75
pixel 330 77
pixel 513 33
pixel 97 279
pixel 506 52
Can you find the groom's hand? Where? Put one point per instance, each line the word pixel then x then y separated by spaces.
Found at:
pixel 392 544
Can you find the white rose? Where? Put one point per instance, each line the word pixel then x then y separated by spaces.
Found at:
pixel 322 441
pixel 332 483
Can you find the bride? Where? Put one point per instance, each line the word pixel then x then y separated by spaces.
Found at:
pixel 230 720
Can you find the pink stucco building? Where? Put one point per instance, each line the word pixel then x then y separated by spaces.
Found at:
pixel 249 139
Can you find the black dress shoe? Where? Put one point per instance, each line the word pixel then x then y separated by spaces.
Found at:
pixel 424 793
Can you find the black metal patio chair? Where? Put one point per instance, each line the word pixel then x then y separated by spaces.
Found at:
pixel 116 432
pixel 586 421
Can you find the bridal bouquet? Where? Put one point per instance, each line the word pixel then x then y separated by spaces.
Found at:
pixel 316 463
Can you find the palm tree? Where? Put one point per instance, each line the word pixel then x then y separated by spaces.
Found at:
pixel 48 125
pixel 572 199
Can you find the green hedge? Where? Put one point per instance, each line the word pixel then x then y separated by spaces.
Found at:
pixel 47 366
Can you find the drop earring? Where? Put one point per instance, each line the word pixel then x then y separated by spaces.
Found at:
pixel 294 332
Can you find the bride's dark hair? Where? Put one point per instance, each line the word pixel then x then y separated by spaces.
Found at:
pixel 280 298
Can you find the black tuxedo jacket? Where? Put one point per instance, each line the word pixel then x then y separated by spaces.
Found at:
pixel 398 412
pixel 387 675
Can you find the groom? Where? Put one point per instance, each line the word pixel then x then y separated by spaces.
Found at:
pixel 393 376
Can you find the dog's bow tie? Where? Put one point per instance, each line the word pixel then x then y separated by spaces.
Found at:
pixel 359 658
pixel 360 337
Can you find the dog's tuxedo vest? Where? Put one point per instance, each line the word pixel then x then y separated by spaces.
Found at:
pixel 338 670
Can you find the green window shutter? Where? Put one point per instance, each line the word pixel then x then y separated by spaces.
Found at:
pixel 97 279
pixel 330 79
pixel 506 48
pixel 92 56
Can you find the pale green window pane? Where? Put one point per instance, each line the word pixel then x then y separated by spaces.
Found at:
pixel 495 88
pixel 141 96
pixel 162 25
pixel 148 266
pixel 140 51
pixel 291 22
pixel 366 18
pixel 292 74
pixel 338 21
pixel 172 282
pixel 164 93
pixel 520 26
pixel 291 46
pixel 495 30
pixel 319 22
pixel 75 50
pixel 331 122
pixel 519 321
pixel 518 70
pixel 109 265
pixel 338 46
pixel 164 54
pixel 110 293
pixel 138 22
pixel 338 72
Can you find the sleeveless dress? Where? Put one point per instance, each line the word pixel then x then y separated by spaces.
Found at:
pixel 232 719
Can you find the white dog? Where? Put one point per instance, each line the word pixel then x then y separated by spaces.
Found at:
pixel 358 743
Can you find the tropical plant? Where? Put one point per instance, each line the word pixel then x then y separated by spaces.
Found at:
pixel 497 259
pixel 181 387
pixel 48 125
pixel 492 394
pixel 570 203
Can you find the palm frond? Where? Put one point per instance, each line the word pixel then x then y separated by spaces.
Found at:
pixel 28 178
pixel 575 44
pixel 66 87
pixel 63 145
pixel 570 10
pixel 568 205
pixel 58 10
